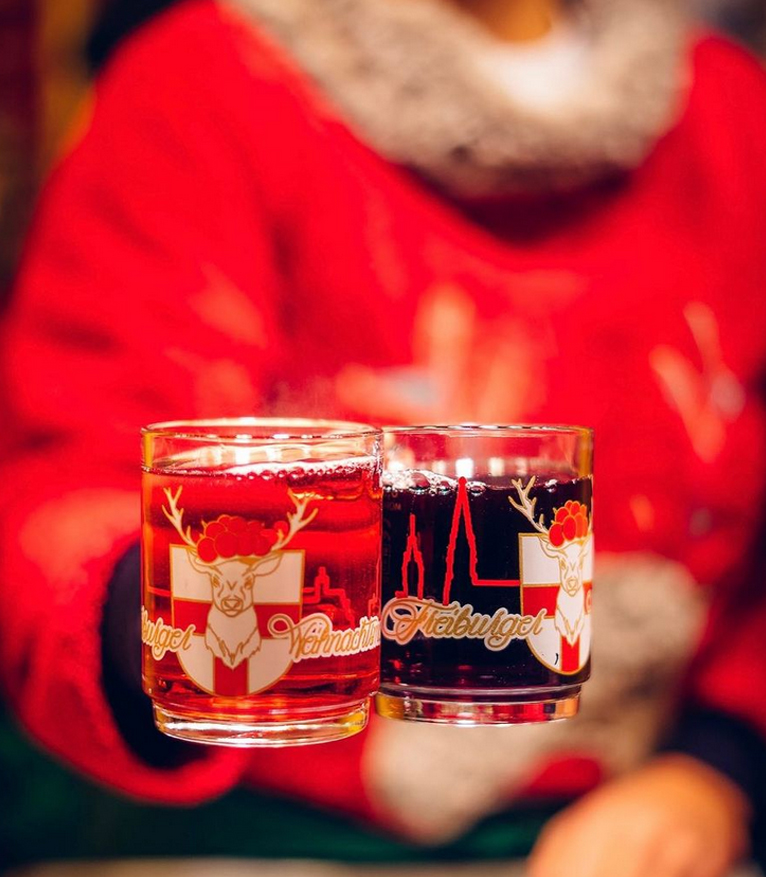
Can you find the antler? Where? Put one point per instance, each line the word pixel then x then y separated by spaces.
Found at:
pixel 176 517
pixel 295 520
pixel 527 505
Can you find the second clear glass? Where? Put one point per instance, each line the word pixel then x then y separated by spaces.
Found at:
pixel 487 573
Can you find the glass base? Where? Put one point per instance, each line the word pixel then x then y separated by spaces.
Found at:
pixel 482 709
pixel 303 728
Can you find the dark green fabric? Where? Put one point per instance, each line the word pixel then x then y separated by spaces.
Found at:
pixel 49 813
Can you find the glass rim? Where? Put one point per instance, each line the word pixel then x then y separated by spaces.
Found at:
pixel 500 430
pixel 271 429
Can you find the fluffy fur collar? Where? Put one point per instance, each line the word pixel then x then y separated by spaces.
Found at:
pixel 409 78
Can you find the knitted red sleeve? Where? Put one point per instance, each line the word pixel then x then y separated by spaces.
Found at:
pixel 147 292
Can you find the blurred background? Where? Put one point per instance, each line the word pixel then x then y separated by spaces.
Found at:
pixel 49 52
pixel 50 49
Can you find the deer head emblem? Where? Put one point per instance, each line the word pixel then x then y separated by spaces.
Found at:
pixel 566 541
pixel 233 553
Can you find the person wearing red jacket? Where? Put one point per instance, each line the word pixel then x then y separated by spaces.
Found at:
pixel 394 212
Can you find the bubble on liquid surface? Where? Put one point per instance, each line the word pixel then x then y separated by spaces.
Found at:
pixel 442 484
pixel 292 475
pixel 418 481
pixel 296 475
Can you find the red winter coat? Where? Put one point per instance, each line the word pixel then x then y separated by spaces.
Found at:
pixel 218 243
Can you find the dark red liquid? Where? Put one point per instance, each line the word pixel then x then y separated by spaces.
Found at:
pixel 341 576
pixel 481 569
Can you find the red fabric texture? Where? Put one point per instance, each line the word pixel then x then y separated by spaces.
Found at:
pixel 218 242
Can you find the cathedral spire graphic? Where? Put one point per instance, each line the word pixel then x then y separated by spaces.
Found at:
pixel 463 512
pixel 412 564
pixel 413 567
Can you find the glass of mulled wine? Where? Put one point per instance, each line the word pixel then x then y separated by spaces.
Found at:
pixel 261 595
pixel 487 573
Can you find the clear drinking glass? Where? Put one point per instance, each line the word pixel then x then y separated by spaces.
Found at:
pixel 261 593
pixel 487 573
